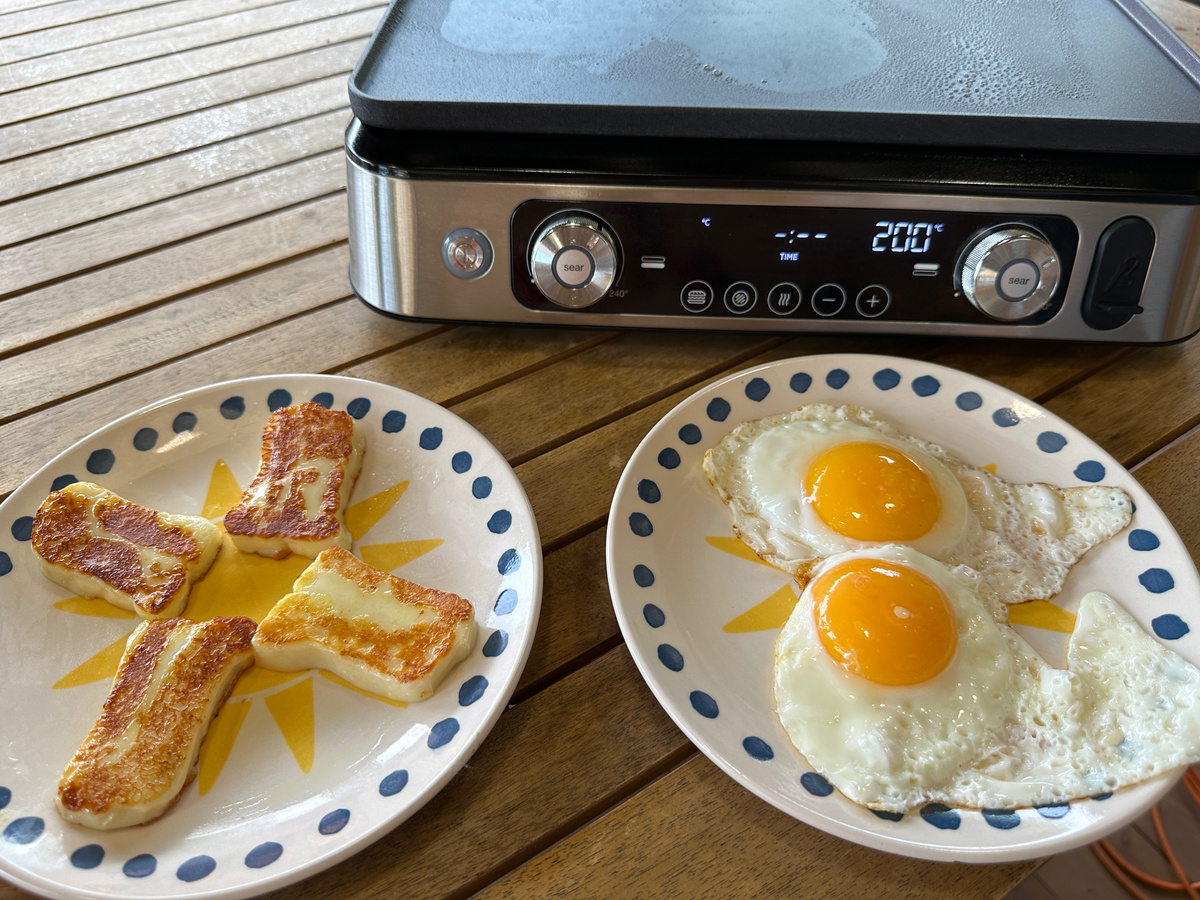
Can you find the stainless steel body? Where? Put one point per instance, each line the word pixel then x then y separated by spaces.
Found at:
pixel 398 224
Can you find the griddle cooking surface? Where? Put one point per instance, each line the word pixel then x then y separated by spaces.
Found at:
pixel 1038 74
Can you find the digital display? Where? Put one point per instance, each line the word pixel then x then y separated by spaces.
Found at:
pixel 904 237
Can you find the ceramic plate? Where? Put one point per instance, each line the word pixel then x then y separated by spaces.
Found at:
pixel 299 771
pixel 701 619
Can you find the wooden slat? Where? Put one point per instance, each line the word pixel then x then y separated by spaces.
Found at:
pixel 116 99
pixel 37 316
pixel 18 75
pixel 661 844
pixel 88 159
pixel 142 229
pixel 78 204
pixel 47 14
pixel 109 28
pixel 347 330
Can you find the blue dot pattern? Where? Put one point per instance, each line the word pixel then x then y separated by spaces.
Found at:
pixel 1141 539
pixel 140 866
pixel 888 815
pixel 1169 627
pixel 22 528
pixel 639 524
pixel 442 733
pixel 358 407
pixel 88 856
pixel 800 382
pixel 5 797
pixel 968 401
pixel 506 602
pixel 6 567
pixel 510 561
pixel 648 491
pixel 1006 418
pixel 481 487
pixel 670 657
pixel 197 867
pixel 690 434
pixel 324 399
pixel 185 421
pixel 1090 471
pixel 101 461
pixel 472 689
pixel 669 458
pixel 24 830
pixel 395 421
pixel 461 462
pixel 278 399
pixel 718 409
pixel 886 379
pixel 233 407
pixel 654 616
pixel 431 438
pixel 641 575
pixel 926 386
pixel 1157 581
pixel 815 784
pixel 496 644
pixel 757 389
pixel 704 704
pixel 939 815
pixel 1003 819
pixel 333 822
pixel 145 439
pixel 62 481
pixel 500 521
pixel 263 855
pixel 1053 811
pixel 837 379
pixel 393 783
pixel 1051 441
pixel 758 748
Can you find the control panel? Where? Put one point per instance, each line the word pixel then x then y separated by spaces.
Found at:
pixel 771 262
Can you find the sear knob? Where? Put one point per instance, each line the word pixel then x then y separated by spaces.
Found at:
pixel 1010 273
pixel 574 260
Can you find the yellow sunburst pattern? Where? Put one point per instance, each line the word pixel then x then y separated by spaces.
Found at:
pixel 245 584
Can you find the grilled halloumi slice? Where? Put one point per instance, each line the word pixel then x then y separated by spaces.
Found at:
pixel 311 457
pixel 381 633
pixel 143 750
pixel 97 544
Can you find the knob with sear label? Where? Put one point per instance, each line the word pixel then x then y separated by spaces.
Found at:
pixel 1009 273
pixel 574 260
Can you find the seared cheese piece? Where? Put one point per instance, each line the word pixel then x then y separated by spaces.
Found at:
pixel 381 633
pixel 97 544
pixel 311 457
pixel 143 750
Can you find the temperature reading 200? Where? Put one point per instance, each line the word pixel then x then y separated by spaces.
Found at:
pixel 904 237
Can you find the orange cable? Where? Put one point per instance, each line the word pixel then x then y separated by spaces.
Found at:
pixel 1121 869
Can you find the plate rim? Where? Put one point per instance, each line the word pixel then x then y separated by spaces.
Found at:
pixel 1034 848
pixel 40 884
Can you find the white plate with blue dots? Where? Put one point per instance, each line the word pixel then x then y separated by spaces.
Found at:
pixel 700 616
pixel 299 771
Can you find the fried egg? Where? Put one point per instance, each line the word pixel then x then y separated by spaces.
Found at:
pixel 821 480
pixel 896 683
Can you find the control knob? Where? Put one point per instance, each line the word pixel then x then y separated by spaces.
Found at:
pixel 574 260
pixel 1009 273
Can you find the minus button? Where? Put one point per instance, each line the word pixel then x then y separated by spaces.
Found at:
pixel 654 262
pixel 926 270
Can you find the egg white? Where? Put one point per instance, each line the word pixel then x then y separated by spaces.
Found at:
pixel 998 728
pixel 1023 539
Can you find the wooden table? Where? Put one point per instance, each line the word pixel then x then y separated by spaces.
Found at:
pixel 172 214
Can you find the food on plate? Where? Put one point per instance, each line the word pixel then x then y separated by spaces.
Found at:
pixel 895 681
pixel 143 750
pixel 97 544
pixel 823 479
pixel 311 457
pixel 381 633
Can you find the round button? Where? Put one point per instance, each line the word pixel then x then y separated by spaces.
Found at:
pixel 573 259
pixel 829 299
pixel 1017 279
pixel 784 299
pixel 1009 273
pixel 873 300
pixel 573 267
pixel 696 296
pixel 740 297
pixel 467 253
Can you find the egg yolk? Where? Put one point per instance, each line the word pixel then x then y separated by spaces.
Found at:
pixel 884 622
pixel 872 492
